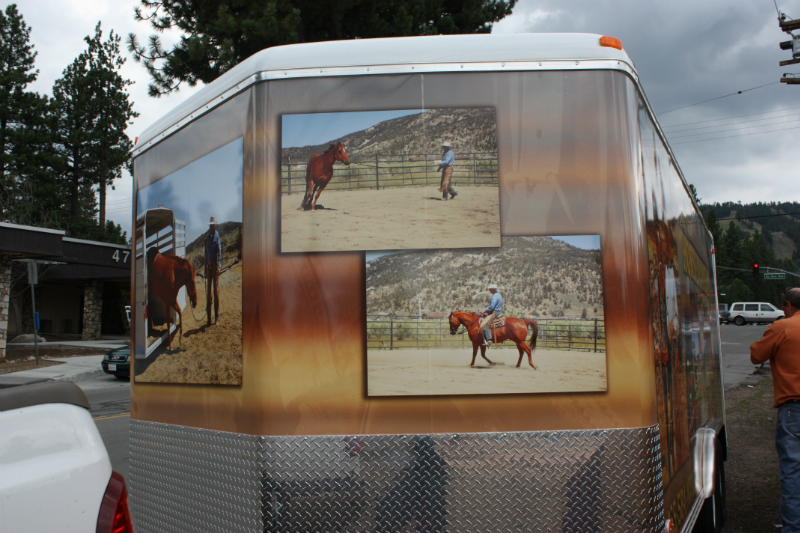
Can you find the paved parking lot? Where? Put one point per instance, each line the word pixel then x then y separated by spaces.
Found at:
pixel 736 365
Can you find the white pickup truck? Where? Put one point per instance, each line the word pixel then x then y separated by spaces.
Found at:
pixel 56 474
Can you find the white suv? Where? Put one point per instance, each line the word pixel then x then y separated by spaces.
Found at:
pixel 742 313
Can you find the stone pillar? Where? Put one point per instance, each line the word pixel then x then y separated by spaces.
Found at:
pixel 5 299
pixel 92 310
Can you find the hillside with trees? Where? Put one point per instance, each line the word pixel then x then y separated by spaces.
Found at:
pixel 745 234
pixel 537 276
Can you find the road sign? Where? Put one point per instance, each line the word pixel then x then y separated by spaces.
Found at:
pixel 774 276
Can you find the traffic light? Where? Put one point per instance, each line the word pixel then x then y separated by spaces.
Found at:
pixel 755 269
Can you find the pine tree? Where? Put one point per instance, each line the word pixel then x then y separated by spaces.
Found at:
pixel 714 227
pixel 16 72
pixel 39 195
pixel 91 109
pixel 219 34
pixel 111 148
pixel 75 116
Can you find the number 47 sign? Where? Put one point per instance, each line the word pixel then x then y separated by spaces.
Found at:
pixel 125 254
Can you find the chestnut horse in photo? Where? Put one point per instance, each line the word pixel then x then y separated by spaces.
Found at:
pixel 515 329
pixel 166 274
pixel 319 172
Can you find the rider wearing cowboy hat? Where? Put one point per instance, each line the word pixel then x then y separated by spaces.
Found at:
pixel 495 308
pixel 213 262
pixel 446 166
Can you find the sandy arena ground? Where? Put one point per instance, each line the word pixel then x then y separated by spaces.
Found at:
pixel 392 219
pixel 204 355
pixel 446 371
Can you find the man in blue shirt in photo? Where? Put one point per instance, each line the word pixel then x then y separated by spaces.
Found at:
pixel 494 309
pixel 446 166
pixel 213 257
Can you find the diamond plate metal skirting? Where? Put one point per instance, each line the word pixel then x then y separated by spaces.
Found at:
pixel 185 479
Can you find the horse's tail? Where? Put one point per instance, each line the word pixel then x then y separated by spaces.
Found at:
pixel 535 327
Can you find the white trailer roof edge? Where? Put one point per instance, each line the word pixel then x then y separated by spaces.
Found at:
pixel 440 53
pixel 405 55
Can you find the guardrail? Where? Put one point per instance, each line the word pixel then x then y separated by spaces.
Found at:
pixel 382 171
pixel 398 332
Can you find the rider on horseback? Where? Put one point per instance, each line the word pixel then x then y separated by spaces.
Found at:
pixel 494 309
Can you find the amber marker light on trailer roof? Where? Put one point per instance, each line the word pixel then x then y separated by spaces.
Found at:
pixel 611 42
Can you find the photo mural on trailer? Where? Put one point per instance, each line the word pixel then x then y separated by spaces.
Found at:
pixel 189 273
pixel 389 180
pixel 523 318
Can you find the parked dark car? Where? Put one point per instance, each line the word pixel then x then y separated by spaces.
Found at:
pixel 724 314
pixel 118 362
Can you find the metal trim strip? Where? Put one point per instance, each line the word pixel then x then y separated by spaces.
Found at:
pixel 371 70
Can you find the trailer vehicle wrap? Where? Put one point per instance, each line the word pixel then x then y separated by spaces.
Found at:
pixel 334 393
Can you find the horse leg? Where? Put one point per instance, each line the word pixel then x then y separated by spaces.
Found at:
pixel 314 205
pixel 180 317
pixel 313 201
pixel 483 354
pixel 474 353
pixel 169 332
pixel 521 351
pixel 307 197
pixel 530 355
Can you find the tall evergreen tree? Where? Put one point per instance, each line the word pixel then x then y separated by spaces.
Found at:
pixel 92 110
pixel 111 148
pixel 16 72
pixel 219 34
pixel 732 247
pixel 75 116
pixel 714 227
pixel 39 194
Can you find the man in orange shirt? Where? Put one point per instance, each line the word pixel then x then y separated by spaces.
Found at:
pixel 781 345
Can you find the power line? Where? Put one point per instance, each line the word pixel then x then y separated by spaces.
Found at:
pixel 731 136
pixel 729 118
pixel 733 129
pixel 718 98
pixel 734 123
pixel 760 216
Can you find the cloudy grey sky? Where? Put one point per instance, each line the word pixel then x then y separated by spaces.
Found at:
pixel 685 52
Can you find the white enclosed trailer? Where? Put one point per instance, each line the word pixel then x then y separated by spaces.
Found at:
pixel 295 428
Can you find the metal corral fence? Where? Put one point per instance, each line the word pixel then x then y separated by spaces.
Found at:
pixel 398 332
pixel 381 171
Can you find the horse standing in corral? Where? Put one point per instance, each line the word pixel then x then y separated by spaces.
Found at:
pixel 319 172
pixel 166 275
pixel 515 329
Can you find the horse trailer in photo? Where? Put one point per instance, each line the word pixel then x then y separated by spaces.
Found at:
pixel 157 230
pixel 332 383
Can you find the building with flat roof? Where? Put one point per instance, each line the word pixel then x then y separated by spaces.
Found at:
pixel 82 290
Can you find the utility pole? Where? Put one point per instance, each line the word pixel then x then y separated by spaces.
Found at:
pixel 33 279
pixel 789 25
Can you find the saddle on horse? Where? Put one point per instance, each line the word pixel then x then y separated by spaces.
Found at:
pixel 492 321
pixel 498 322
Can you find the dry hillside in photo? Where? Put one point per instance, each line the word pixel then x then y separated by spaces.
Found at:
pixel 537 277
pixel 468 129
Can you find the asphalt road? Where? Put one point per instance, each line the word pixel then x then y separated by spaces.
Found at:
pixel 110 399
pixel 736 365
